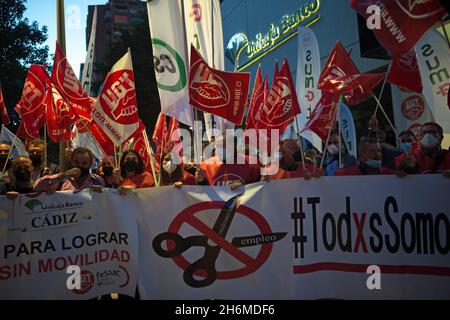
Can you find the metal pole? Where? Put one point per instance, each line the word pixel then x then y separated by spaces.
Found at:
pixel 299 137
pixel 382 87
pixel 61 38
pixel 387 118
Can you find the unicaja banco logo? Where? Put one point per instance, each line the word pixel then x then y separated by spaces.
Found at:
pixel 31 204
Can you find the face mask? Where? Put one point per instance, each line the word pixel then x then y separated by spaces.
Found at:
pixel 22 174
pixel 131 165
pixel 429 141
pixel 84 171
pixel 3 158
pixel 107 171
pixel 35 159
pixel 333 149
pixel 169 167
pixel 406 146
pixel 374 164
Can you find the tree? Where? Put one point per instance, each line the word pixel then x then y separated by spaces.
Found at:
pixel 22 44
pixel 136 36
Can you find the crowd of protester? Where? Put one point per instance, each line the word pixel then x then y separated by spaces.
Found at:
pixel 377 155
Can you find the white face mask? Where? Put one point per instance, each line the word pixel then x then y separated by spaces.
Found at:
pixel 333 149
pixel 429 141
pixel 169 167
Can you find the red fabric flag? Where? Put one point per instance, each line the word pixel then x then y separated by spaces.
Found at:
pixel 4 112
pixel 282 104
pixel 275 72
pixel 254 113
pixel 403 22
pixel 221 93
pixel 160 132
pixel 31 106
pixel 173 136
pixel 139 145
pixel 58 115
pixel 102 138
pixel 323 118
pixel 341 76
pixel 68 85
pixel 251 105
pixel 405 72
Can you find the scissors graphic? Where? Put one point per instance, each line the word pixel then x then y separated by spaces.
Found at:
pixel 207 263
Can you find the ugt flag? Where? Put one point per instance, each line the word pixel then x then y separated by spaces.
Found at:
pixel 403 22
pixel 3 111
pixel 221 93
pixel 116 110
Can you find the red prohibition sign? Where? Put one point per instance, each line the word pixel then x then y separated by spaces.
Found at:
pixel 251 264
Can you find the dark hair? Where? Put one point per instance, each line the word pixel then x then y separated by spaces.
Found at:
pixel 407 132
pixel 364 141
pixel 82 150
pixel 164 178
pixel 5 142
pixel 36 142
pixel 141 164
pixel 437 126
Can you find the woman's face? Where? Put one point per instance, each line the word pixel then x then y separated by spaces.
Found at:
pixel 167 158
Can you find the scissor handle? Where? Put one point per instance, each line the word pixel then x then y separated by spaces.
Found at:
pixel 208 264
pixel 180 244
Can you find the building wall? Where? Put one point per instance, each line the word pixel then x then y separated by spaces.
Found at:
pixel 337 22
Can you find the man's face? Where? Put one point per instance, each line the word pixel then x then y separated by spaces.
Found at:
pixel 432 130
pixel 4 149
pixel 372 151
pixel 334 139
pixel 407 138
pixel 81 160
pixel 36 149
pixel 287 150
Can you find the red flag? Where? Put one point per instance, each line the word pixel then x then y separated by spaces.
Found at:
pixel 173 136
pixel 323 117
pixel 116 109
pixel 221 93
pixel 31 106
pixel 4 112
pixel 102 138
pixel 254 113
pixel 139 145
pixel 275 72
pixel 251 105
pixel 68 85
pixel 160 132
pixel 282 104
pixel 403 22
pixel 341 76
pixel 58 115
pixel 405 72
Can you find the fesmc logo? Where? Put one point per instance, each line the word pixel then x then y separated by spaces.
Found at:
pixel 279 95
pixel 202 272
pixel 413 107
pixel 170 68
pixel 208 89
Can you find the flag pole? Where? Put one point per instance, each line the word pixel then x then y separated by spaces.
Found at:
pixel 338 110
pixel 382 87
pixel 61 38
pixel 326 142
pixel 387 118
pixel 150 153
pixel 45 145
pixel 10 150
pixel 299 138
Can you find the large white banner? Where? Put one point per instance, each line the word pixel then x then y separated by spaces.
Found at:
pixel 203 22
pixel 170 58
pixel 308 72
pixel 41 237
pixel 433 56
pixel 297 239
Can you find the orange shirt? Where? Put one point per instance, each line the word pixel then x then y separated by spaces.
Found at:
pixel 141 180
pixel 220 174
pixel 297 173
pixel 356 171
pixel 188 179
pixel 425 163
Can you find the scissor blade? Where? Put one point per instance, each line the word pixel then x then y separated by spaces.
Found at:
pixel 226 215
pixel 250 241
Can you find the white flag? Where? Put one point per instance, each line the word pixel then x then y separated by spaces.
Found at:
pixel 116 108
pixel 170 58
pixel 204 30
pixel 308 72
pixel 347 127
pixel 19 148
pixel 433 57
pixel 86 77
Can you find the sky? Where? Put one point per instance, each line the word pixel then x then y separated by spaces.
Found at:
pixel 44 12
